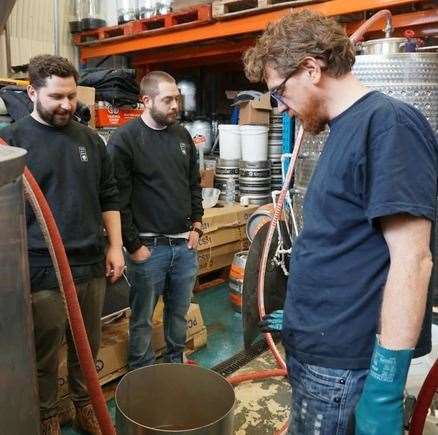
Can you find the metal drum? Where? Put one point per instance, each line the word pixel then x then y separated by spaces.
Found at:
pixel 275 147
pixel 19 410
pixel 174 399
pixel 224 170
pixel 276 182
pixel 255 181
pixel 235 283
pixel 258 219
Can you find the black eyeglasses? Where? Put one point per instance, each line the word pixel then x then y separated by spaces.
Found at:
pixel 277 92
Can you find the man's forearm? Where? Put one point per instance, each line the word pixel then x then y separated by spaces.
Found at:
pixel 404 300
pixel 111 220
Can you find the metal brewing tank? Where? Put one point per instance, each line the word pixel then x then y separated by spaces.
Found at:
pixel 409 77
pixel 18 399
pixel 174 399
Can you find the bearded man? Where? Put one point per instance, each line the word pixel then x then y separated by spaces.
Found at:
pixel 358 289
pixel 75 173
pixel 157 172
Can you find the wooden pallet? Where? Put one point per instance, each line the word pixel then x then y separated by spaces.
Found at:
pixel 212 279
pixel 223 9
pixel 195 15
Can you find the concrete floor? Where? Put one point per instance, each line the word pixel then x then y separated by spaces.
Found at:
pixel 263 406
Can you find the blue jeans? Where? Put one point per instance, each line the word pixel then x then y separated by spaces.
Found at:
pixel 323 399
pixel 170 271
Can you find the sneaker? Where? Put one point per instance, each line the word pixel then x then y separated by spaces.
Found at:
pixel 50 426
pixel 86 420
pixel 67 413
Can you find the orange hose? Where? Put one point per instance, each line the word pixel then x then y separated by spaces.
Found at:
pixel 376 17
pixel 267 245
pixel 253 376
pixel 67 287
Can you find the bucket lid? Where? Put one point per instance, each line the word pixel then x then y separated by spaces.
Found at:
pixel 229 127
pixel 253 129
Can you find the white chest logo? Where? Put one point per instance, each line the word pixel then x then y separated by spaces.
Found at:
pixel 183 148
pixel 83 154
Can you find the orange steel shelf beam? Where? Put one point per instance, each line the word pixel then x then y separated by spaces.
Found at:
pixel 231 27
pixel 186 53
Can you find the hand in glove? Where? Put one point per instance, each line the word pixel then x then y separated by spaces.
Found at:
pixel 272 322
pixel 380 408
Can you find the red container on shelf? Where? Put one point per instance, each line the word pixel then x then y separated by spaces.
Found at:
pixel 115 116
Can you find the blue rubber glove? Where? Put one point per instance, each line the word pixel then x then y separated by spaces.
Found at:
pixel 380 408
pixel 272 322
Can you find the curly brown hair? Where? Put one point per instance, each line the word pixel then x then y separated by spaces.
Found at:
pixel 285 44
pixel 46 65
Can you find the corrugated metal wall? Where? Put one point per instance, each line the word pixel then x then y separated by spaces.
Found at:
pixel 30 29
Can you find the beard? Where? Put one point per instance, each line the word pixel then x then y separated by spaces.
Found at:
pixel 55 118
pixel 312 117
pixel 161 117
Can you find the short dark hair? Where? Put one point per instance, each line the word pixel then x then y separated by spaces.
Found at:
pixel 46 65
pixel 149 83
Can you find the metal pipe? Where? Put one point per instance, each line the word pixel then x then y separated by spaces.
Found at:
pixel 56 27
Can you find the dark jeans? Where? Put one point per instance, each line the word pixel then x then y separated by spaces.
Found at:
pixel 170 271
pixel 50 325
pixel 323 399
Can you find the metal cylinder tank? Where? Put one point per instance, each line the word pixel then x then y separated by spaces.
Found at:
pixel 174 399
pixel 18 399
pixel 409 77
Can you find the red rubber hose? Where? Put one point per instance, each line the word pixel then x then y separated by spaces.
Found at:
pixel 66 284
pixel 253 376
pixel 424 400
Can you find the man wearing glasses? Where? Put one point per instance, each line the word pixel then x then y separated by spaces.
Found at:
pixel 360 269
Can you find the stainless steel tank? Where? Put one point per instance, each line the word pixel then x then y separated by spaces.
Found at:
pixel 409 77
pixel 174 399
pixel 18 399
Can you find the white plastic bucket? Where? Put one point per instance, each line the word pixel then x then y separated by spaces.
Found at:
pixel 254 140
pixel 229 142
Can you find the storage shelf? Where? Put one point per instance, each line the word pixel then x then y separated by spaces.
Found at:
pixel 229 38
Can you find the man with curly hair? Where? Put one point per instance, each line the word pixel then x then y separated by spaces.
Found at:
pixel 360 269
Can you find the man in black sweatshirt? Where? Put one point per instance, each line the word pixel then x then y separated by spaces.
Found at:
pixel 156 168
pixel 70 163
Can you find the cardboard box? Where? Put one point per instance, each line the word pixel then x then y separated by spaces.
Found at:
pixel 112 359
pixel 87 96
pixel 220 256
pixel 222 236
pixel 233 215
pixel 207 178
pixel 115 116
pixel 255 111
pixel 195 324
